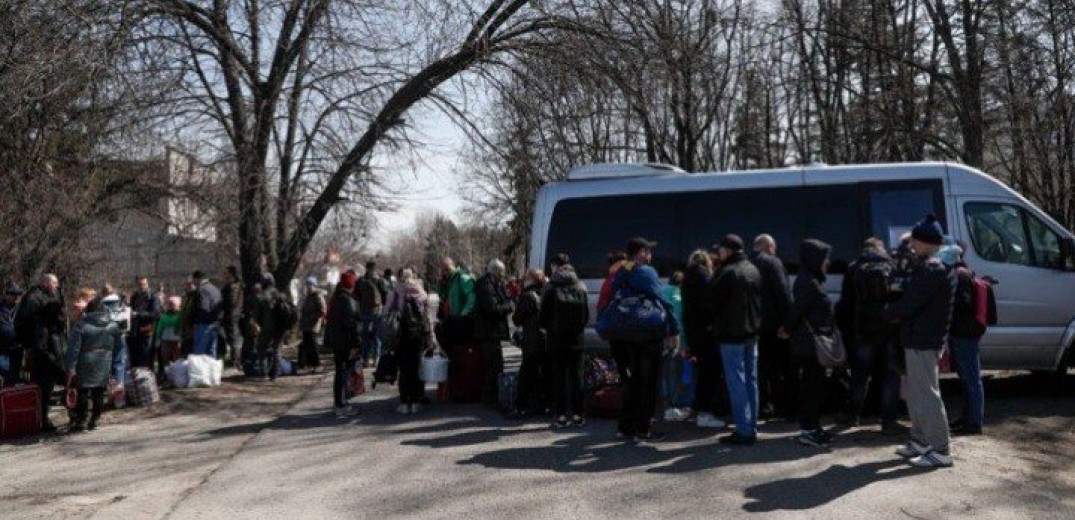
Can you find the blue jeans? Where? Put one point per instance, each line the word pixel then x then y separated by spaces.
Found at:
pixel 741 373
pixel 371 344
pixel 205 339
pixel 966 352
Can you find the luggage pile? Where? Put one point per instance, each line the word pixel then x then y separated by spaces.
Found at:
pixel 196 371
pixel 602 386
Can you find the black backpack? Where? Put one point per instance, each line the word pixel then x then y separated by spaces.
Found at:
pixel 571 311
pixel 285 314
pixel 412 322
pixel 872 282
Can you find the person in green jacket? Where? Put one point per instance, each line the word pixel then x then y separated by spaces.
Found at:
pixel 457 301
pixel 677 376
pixel 168 335
pixel 96 351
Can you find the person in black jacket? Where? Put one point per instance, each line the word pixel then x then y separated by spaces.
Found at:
pixel 9 343
pixel 811 314
pixel 40 326
pixel 965 344
pixel 737 295
pixel 532 396
pixel 205 313
pixel 924 313
pixel 231 336
pixel 145 309
pixel 867 288
pixel 565 348
pixel 776 376
pixel 710 400
pixel 491 325
pixel 342 332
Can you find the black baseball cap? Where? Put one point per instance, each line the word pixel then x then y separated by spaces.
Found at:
pixel 637 244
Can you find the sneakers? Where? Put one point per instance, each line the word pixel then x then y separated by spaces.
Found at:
pixel 932 459
pixel 737 439
pixel 416 408
pixel 911 450
pixel 622 436
pixel 816 438
pixel 650 436
pixel 676 414
pixel 708 420
pixel 403 409
pixel 560 423
pixel 578 421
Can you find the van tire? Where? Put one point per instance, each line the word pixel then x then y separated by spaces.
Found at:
pixel 1055 381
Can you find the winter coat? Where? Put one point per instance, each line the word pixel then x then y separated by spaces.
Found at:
pixel 232 296
pixel 208 305
pixel 343 323
pixel 265 316
pixel 564 276
pixel 96 351
pixel 169 328
pixel 528 317
pixel 811 307
pixel 493 307
pixel 924 311
pixel 313 310
pixel 863 317
pixel 369 295
pixel 412 291
pixel 776 292
pixel 643 280
pixel 145 309
pixel 40 325
pixel 964 325
pixel 457 296
pixel 674 295
pixel 737 293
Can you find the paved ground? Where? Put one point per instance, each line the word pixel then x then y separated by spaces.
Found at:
pixel 202 455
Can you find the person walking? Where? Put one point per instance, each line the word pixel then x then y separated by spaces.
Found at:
pixel 231 333
pixel 924 314
pixel 867 288
pixel 312 315
pixel 491 325
pixel 811 314
pixel 205 313
pixel 776 376
pixel 416 318
pixel 698 337
pixel 370 301
pixel 95 352
pixel 145 309
pixel 642 360
pixel 565 311
pixel 532 396
pixel 965 344
pixel 737 302
pixel 342 331
pixel 40 327
pixel 11 352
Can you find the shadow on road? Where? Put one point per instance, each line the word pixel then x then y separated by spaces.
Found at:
pixel 802 493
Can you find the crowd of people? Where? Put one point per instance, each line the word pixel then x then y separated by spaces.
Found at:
pixel 748 337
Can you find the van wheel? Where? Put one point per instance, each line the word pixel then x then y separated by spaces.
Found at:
pixel 1055 382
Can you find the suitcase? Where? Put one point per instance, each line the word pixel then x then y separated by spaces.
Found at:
pixel 387 370
pixel 20 411
pixel 507 390
pixel 605 402
pixel 141 387
pixel 465 378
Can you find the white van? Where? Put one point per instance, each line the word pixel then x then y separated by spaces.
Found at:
pixel 1009 240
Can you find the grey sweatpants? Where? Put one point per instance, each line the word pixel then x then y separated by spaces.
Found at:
pixel 929 421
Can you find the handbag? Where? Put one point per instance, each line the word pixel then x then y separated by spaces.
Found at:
pixel 356 384
pixel 829 347
pixel 635 319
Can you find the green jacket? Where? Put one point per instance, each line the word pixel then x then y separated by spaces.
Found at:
pixel 96 351
pixel 457 295
pixel 169 326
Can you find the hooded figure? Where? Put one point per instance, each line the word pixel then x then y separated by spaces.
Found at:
pixel 812 305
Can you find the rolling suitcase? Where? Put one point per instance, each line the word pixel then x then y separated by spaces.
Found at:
pixel 465 378
pixel 20 411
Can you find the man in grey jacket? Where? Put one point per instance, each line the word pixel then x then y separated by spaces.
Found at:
pixel 205 313
pixel 924 313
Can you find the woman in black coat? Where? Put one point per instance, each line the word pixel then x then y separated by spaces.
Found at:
pixel 342 333
pixel 811 313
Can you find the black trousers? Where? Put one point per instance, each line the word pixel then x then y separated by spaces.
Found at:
pixel 269 355
pixel 46 375
pixel 532 395
pixel 777 378
pixel 140 351
pixel 811 390
pixel 493 357
pixel 230 342
pixel 710 377
pixel 619 351
pixel 640 399
pixel 568 382
pixel 409 361
pixel 341 358
pixel 95 394
pixel 308 357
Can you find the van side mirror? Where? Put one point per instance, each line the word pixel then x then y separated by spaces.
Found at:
pixel 1067 252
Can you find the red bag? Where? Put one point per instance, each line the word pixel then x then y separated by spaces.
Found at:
pixel 944 363
pixel 20 411
pixel 465 377
pixel 606 402
pixel 356 384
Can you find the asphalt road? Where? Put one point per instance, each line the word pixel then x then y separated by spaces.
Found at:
pixel 291 459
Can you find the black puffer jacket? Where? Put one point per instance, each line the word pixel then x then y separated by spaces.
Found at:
pixel 776 292
pixel 343 322
pixel 697 306
pixel 528 315
pixel 493 306
pixel 869 325
pixel 736 293
pixel 812 305
pixel 925 309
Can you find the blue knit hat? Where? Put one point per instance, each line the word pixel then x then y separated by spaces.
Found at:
pixel 929 231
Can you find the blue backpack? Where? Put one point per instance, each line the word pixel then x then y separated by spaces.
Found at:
pixel 631 316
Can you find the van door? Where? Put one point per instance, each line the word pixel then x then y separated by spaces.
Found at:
pixel 1010 243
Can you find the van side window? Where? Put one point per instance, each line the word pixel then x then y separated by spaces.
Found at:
pixel 1045 244
pixel 999 233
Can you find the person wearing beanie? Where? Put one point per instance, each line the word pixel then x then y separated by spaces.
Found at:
pixel 342 333
pixel 737 312
pixel 924 314
pixel 313 313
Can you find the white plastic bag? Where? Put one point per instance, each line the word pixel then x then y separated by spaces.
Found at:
pixel 200 370
pixel 178 374
pixel 218 372
pixel 434 367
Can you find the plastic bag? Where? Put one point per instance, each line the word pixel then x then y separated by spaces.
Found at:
pixel 217 373
pixel 434 367
pixel 178 374
pixel 200 370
